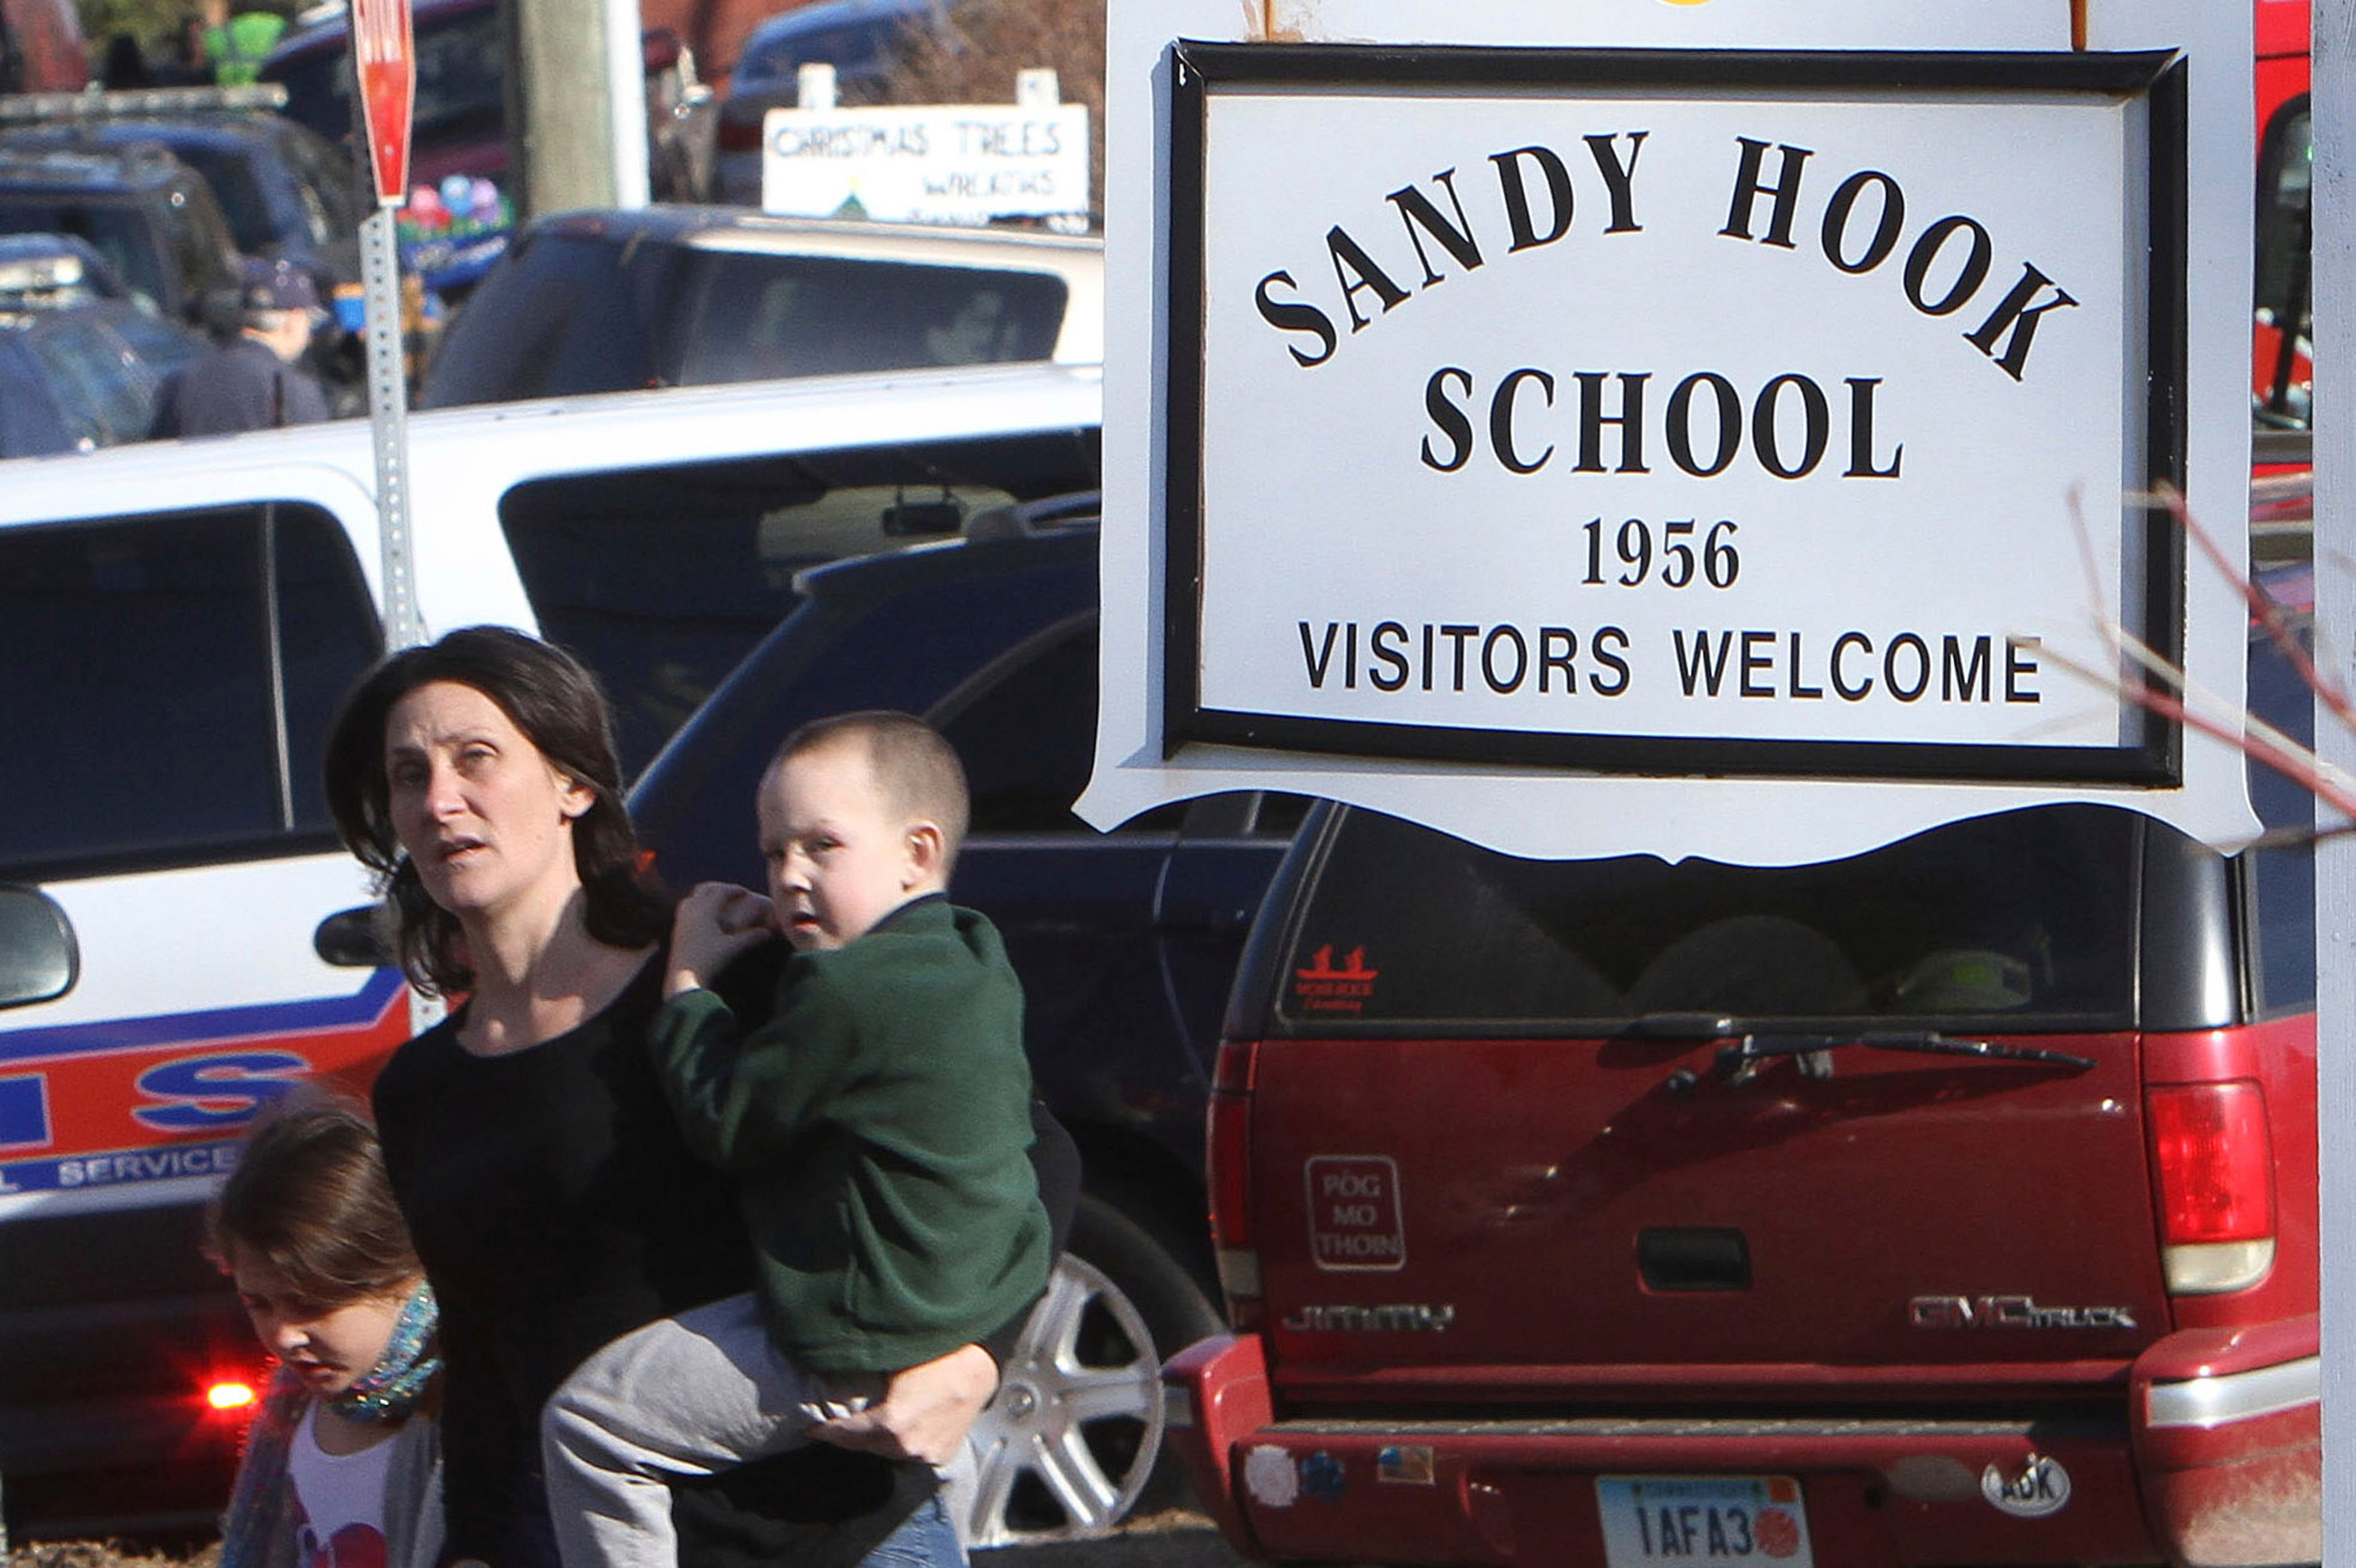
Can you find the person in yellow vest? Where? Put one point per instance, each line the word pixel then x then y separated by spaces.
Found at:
pixel 238 44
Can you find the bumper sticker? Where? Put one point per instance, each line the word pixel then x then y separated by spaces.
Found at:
pixel 1326 986
pixel 2041 1487
pixel 1354 1211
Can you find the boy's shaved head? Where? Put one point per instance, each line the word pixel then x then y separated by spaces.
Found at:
pixel 916 774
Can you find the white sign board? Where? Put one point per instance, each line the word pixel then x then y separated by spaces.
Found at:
pixel 957 164
pixel 1669 438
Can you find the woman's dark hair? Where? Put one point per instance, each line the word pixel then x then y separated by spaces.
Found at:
pixel 310 1198
pixel 557 703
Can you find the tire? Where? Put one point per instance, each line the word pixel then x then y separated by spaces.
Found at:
pixel 1073 1442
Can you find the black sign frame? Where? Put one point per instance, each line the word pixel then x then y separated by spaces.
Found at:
pixel 1196 71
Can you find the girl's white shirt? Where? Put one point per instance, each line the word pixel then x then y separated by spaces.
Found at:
pixel 337 1493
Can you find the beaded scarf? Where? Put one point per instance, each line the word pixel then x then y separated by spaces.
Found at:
pixel 259 1506
pixel 390 1390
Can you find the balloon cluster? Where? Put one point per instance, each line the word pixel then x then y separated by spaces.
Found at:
pixel 461 205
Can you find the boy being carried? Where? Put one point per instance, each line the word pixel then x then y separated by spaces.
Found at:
pixel 879 1124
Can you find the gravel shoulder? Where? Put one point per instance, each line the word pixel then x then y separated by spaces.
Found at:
pixel 1158 1541
pixel 1174 1540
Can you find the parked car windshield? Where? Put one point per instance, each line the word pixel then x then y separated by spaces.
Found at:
pixel 2285 193
pixel 117 232
pixel 745 316
pixel 570 313
pixel 856 51
pixel 2280 877
pixel 159 616
pixel 461 80
pixel 461 74
pixel 558 315
pixel 662 579
pixel 105 398
pixel 243 202
pixel 1992 922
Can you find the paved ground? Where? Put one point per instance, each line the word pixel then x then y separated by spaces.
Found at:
pixel 1165 1541
pixel 101 1554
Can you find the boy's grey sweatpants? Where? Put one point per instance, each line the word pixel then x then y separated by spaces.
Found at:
pixel 683 1396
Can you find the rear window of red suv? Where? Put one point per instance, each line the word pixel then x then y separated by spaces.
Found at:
pixel 2012 922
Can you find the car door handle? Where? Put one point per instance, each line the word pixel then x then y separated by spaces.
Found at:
pixel 1217 924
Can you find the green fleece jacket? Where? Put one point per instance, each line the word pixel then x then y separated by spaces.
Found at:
pixel 879 1126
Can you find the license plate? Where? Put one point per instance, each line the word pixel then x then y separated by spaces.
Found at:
pixel 1653 1520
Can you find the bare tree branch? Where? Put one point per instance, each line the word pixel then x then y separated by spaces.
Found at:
pixel 973 58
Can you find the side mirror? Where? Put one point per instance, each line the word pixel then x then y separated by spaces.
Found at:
pixel 355 938
pixel 38 959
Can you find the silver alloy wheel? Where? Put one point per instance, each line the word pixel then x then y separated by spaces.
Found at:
pixel 1078 1420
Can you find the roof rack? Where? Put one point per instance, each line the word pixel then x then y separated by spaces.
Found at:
pixel 80 165
pixel 27 108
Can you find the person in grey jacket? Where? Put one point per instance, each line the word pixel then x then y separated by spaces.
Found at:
pixel 342 1465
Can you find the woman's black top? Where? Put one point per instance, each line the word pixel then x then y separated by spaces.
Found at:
pixel 556 1208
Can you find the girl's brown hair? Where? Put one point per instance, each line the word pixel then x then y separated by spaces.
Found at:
pixel 557 703
pixel 310 1198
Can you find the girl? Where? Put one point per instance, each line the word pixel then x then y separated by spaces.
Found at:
pixel 343 1466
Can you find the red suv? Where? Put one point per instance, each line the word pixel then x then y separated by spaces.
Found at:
pixel 1951 1203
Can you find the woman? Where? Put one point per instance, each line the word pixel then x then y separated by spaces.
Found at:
pixel 552 1199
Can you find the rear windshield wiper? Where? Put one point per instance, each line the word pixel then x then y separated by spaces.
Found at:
pixel 1737 1062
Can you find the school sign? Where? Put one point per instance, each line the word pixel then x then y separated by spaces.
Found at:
pixel 1720 432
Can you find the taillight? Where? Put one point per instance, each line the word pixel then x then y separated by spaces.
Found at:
pixel 739 135
pixel 2212 1163
pixel 1229 1156
pixel 231 1395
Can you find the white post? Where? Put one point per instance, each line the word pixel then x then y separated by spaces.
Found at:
pixel 814 86
pixel 1037 88
pixel 388 388
pixel 578 75
pixel 2334 108
pixel 625 74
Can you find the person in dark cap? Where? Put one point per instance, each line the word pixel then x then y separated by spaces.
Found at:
pixel 190 62
pixel 251 382
pixel 127 67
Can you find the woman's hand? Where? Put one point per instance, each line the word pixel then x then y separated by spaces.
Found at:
pixel 925 1410
pixel 711 926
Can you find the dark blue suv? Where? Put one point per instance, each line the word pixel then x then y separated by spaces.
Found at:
pixel 1126 943
pixel 284 190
